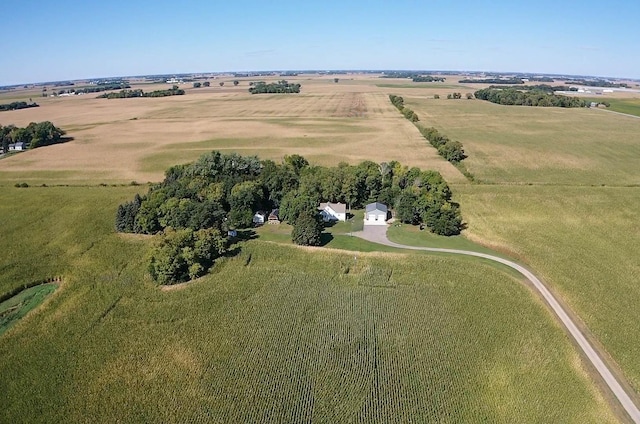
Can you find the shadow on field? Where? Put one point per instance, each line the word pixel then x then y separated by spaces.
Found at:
pixel 241 235
pixel 325 238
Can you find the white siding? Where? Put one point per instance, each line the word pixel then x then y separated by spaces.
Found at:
pixel 375 218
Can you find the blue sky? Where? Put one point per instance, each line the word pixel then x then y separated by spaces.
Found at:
pixel 46 40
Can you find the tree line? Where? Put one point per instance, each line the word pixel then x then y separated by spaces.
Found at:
pixel 125 94
pixel 275 87
pixel 17 105
pixel 33 135
pixel 512 96
pixel 414 76
pixel 427 78
pixel 398 102
pixel 538 87
pixel 510 81
pixel 219 192
pixel 450 150
pixel 597 83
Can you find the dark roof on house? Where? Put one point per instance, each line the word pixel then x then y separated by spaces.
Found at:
pixel 377 206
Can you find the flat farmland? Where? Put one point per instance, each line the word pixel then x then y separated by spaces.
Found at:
pixel 522 145
pixel 275 333
pixel 584 241
pixel 122 140
pixel 558 190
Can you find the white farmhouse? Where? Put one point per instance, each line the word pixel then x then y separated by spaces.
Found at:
pixel 333 211
pixel 375 214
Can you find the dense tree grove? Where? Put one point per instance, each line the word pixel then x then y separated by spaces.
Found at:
pixel 427 78
pixel 221 191
pixel 125 94
pixel 185 254
pixel 511 96
pixel 33 135
pixel 17 105
pixel 275 87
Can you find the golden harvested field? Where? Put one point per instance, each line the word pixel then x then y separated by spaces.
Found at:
pixel 122 140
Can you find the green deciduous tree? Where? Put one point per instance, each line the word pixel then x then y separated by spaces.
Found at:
pixel 181 255
pixel 295 204
pixel 307 229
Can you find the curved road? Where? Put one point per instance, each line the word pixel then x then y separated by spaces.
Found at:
pixel 379 235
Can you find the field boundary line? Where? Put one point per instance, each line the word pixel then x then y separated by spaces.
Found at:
pixel 619 113
pixel 379 235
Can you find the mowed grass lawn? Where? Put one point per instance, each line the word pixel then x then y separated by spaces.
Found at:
pixel 274 334
pixel 522 145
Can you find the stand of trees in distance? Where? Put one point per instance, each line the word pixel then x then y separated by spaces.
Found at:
pixel 538 87
pixel 512 96
pixel 598 83
pixel 17 105
pixel 540 79
pixel 275 87
pixel 125 94
pixel 415 76
pixel 512 81
pixel 93 89
pixel 427 78
pixel 33 136
pixel 219 192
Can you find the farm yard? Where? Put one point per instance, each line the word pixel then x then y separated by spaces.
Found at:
pixel 288 334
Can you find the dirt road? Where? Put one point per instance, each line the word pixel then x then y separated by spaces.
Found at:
pixel 378 234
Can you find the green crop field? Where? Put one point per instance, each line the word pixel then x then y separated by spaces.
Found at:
pixel 522 145
pixel 584 241
pixel 275 333
pixel 561 192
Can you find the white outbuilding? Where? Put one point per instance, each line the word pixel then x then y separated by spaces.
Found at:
pixel 375 214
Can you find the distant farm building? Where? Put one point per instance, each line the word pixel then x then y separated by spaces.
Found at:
pixel 376 214
pixel 17 147
pixel 333 211
pixel 274 217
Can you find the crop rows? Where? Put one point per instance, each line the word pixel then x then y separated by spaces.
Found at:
pixel 280 334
